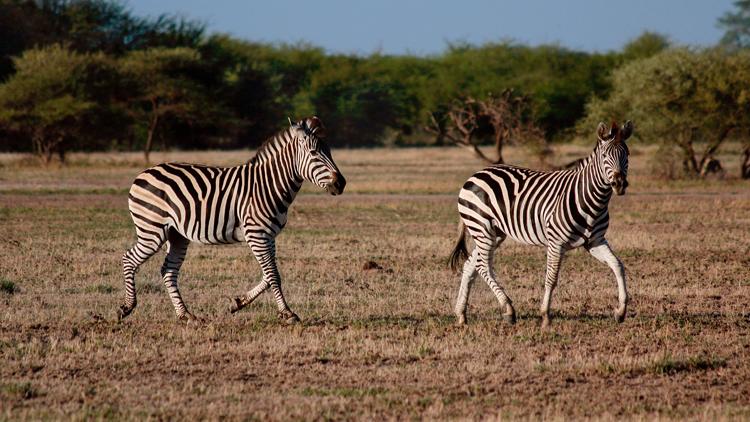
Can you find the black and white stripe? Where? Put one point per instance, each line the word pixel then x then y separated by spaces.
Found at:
pixel 559 210
pixel 178 203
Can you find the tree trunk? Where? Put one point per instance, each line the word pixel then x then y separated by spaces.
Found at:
pixel 440 140
pixel 478 152
pixel 689 162
pixel 745 164
pixel 151 131
pixel 42 149
pixel 499 147
pixel 711 149
pixel 47 155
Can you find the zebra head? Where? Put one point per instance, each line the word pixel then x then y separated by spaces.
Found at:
pixel 613 154
pixel 314 161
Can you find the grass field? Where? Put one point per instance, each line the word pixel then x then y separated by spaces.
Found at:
pixel 373 342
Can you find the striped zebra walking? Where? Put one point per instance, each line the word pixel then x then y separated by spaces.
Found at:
pixel 559 210
pixel 179 203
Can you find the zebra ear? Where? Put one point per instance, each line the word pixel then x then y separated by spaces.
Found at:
pixel 290 121
pixel 626 131
pixel 606 133
pixel 316 127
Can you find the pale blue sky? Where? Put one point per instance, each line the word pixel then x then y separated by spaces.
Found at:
pixel 424 27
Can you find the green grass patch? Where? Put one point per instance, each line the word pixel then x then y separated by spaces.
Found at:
pixel 8 287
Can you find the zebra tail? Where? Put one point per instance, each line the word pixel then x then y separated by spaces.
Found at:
pixel 460 253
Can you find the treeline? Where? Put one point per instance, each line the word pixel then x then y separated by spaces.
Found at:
pixel 89 75
pixel 67 64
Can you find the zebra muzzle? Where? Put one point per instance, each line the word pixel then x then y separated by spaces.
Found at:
pixel 337 185
pixel 619 185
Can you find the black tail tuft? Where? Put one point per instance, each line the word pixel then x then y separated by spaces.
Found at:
pixel 460 253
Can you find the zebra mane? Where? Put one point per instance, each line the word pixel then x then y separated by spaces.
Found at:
pixel 311 126
pixel 271 145
pixel 582 162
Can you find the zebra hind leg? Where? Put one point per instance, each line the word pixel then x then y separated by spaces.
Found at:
pixel 468 276
pixel 176 249
pixel 241 301
pixel 554 258
pixel 485 256
pixel 144 248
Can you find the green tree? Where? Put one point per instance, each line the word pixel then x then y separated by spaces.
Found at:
pixel 168 86
pixel 645 45
pixel 55 100
pixel 557 80
pixel 361 105
pixel 680 98
pixel 87 26
pixel 736 26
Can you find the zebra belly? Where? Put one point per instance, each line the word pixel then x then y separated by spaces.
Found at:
pixel 221 234
pixel 227 237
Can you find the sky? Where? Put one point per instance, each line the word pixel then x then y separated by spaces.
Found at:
pixel 425 27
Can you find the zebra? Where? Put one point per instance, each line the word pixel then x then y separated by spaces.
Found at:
pixel 560 210
pixel 176 203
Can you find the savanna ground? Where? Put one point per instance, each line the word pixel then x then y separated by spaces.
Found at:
pixel 377 342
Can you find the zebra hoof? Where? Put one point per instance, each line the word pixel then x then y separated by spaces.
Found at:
pixel 190 319
pixel 510 314
pixel 461 320
pixel 289 317
pixel 123 311
pixel 620 315
pixel 546 322
pixel 236 305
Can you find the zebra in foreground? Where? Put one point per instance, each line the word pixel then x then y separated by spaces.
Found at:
pixel 560 210
pixel 178 203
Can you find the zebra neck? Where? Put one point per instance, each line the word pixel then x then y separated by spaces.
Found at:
pixel 595 184
pixel 277 173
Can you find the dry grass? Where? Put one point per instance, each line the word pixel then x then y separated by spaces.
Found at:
pixel 378 342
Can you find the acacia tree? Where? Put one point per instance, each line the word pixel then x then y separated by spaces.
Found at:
pixel 691 100
pixel 165 84
pixel 509 117
pixel 458 124
pixel 53 98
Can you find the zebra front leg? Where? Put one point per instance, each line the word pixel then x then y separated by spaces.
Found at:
pixel 265 252
pixel 554 258
pixel 485 254
pixel 603 252
pixel 467 279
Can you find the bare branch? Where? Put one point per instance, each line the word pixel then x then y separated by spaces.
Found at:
pixel 509 115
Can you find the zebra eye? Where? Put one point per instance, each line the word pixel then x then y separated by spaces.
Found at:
pixel 313 152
